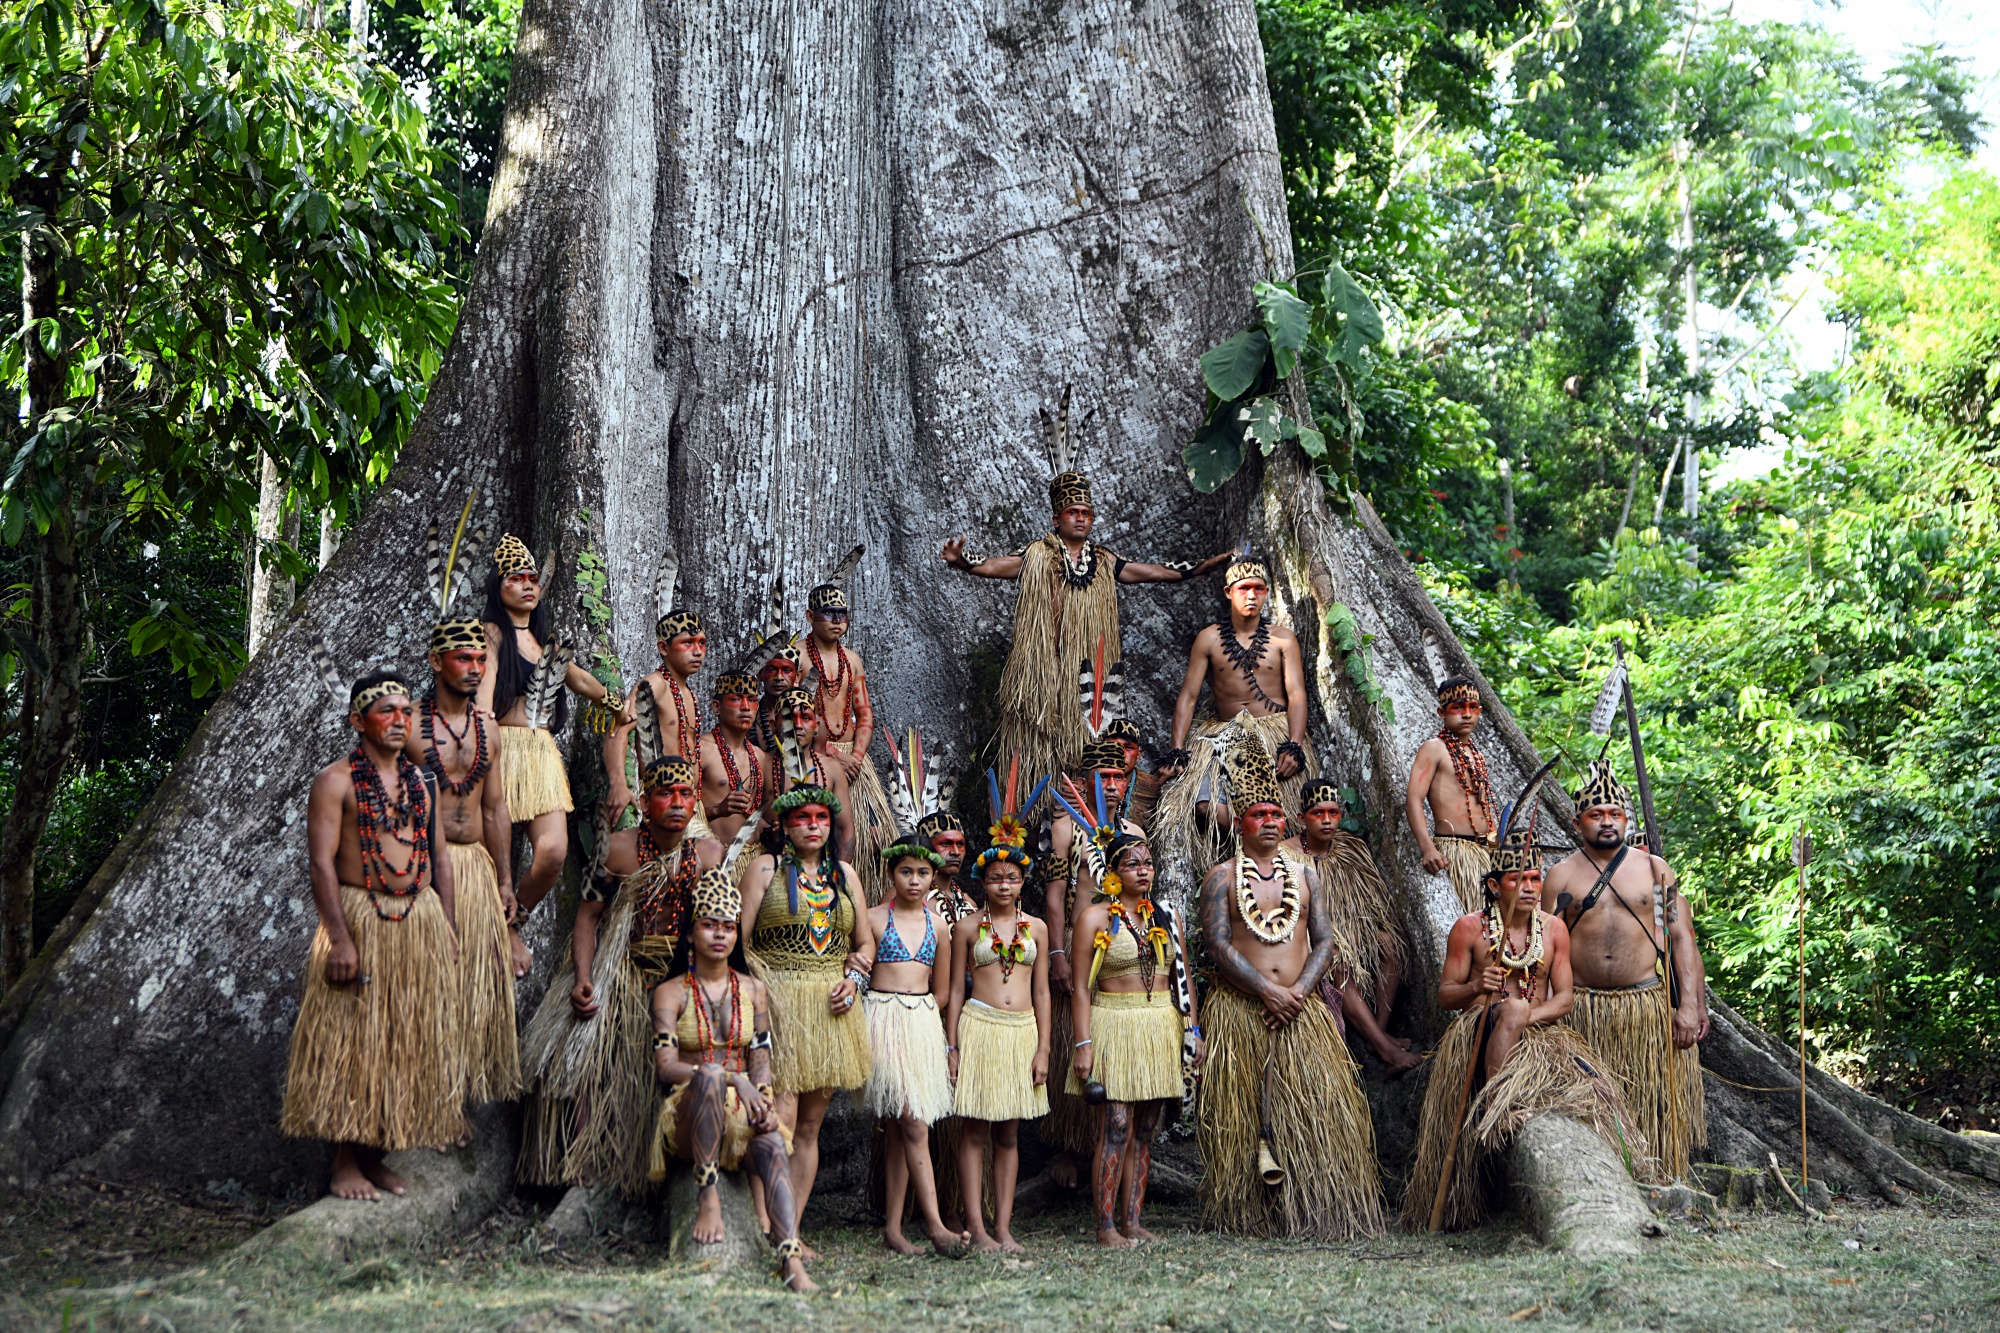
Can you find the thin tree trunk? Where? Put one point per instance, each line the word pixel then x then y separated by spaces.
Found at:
pixel 1631 488
pixel 271 590
pixel 52 701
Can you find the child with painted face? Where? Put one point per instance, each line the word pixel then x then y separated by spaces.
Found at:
pixel 909 1081
pixel 997 1034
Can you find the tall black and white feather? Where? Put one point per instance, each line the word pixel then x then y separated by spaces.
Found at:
pixel 1522 807
pixel 844 571
pixel 666 578
pixel 1101 699
pixel 745 838
pixel 548 567
pixel 1062 440
pixel 546 682
pixel 1605 712
pixel 792 756
pixel 322 660
pixel 647 736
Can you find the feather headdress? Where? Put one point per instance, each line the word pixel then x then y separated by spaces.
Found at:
pixel 1515 830
pixel 1067 484
pixel 448 573
pixel 673 621
pixel 831 592
pixel 1009 834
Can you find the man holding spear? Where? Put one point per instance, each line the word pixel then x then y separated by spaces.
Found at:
pixel 1641 989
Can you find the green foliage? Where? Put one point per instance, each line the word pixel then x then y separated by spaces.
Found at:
pixel 1349 640
pixel 463 52
pixel 239 234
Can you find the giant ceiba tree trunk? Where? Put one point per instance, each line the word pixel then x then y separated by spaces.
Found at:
pixel 759 282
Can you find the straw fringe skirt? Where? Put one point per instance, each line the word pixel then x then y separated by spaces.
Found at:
pixel 907 1072
pixel 996 1057
pixel 592 1092
pixel 1466 862
pixel 811 1046
pixel 491 1046
pixel 1185 848
pixel 1630 1031
pixel 1135 1044
pixel 1362 907
pixel 376 1061
pixel 1552 1069
pixel 531 768
pixel 1321 1133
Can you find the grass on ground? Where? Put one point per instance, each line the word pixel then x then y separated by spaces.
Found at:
pixel 134 1261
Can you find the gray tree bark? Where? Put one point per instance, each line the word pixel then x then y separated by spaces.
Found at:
pixel 761 283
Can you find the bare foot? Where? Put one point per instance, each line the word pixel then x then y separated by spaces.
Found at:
pixel 1010 1245
pixel 348 1181
pixel 708 1217
pixel 795 1277
pixel 1062 1170
pixel 383 1177
pixel 1400 1059
pixel 1134 1231
pixel 523 960
pixel 808 1252
pixel 1109 1238
pixel 986 1245
pixel 951 1244
pixel 896 1241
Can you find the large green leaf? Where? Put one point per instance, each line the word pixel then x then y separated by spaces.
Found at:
pixel 1213 456
pixel 1287 322
pixel 1233 367
pixel 1263 421
pixel 1360 321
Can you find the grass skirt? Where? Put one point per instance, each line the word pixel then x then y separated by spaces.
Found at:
pixel 592 1092
pixel 1552 1069
pixel 1321 1133
pixel 907 1072
pixel 1466 862
pixel 874 824
pixel 811 1046
pixel 1135 1047
pixel 1362 907
pixel 736 1134
pixel 1186 848
pixel 491 1046
pixel 376 1062
pixel 996 1058
pixel 531 768
pixel 1071 1126
pixel 1630 1031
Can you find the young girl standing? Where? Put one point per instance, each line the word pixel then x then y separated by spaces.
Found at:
pixel 909 1082
pixel 998 1029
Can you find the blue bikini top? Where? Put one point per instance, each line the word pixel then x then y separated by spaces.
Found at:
pixel 893 950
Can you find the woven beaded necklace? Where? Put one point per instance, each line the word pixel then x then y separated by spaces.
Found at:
pixel 375 814
pixel 687 716
pixel 729 762
pixel 481 761
pixel 1528 962
pixel 835 725
pixel 1468 766
pixel 704 1021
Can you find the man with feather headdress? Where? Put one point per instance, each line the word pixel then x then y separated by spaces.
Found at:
pixel 455 741
pixel 1508 1057
pixel 1641 989
pixel 1067 612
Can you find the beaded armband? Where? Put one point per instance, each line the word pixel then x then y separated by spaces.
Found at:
pixel 860 980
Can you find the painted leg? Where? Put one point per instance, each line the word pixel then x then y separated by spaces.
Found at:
pixel 1114 1133
pixel 1138 1166
pixel 699 1123
pixel 766 1159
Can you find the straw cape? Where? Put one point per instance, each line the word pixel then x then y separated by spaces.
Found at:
pixel 376 1062
pixel 1301 1083
pixel 1188 846
pixel 1551 1070
pixel 1631 1030
pixel 1361 906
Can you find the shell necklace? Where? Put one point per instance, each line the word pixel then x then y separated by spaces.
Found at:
pixel 1277 925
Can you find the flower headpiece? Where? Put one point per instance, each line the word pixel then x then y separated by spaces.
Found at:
pixel 1009 834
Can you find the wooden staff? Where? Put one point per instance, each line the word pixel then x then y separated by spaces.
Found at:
pixel 1802 851
pixel 1654 843
pixel 1458 1121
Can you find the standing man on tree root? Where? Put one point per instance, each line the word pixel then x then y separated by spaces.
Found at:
pixel 374 1060
pixel 1257 682
pixel 1067 614
pixel 1362 911
pixel 1449 775
pixel 1641 989
pixel 838 683
pixel 1508 1057
pixel 1285 1135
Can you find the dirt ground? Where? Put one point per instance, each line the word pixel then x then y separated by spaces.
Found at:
pixel 102 1258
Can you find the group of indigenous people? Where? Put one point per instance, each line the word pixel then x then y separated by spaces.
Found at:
pixel 761 923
